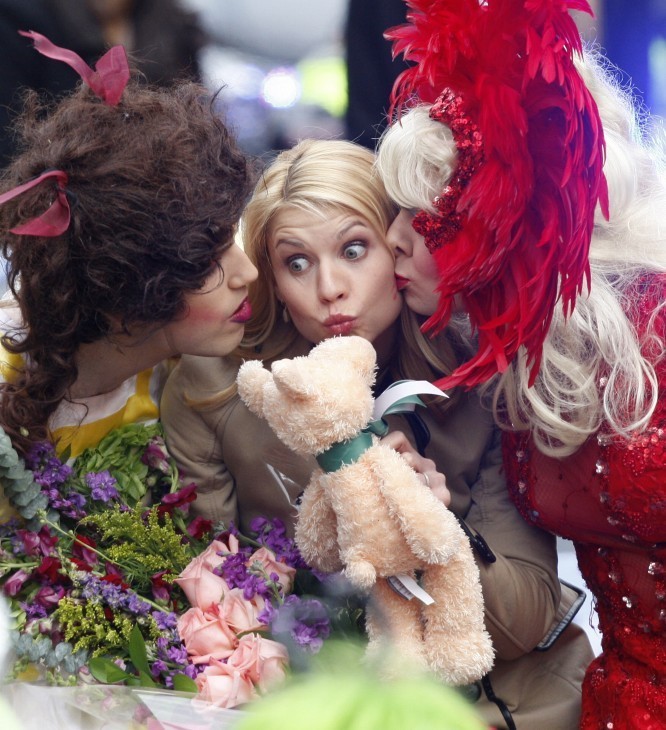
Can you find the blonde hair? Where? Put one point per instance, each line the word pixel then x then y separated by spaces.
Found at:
pixel 594 366
pixel 416 157
pixel 320 177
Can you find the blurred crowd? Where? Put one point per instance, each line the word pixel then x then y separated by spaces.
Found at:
pixel 286 70
pixel 283 71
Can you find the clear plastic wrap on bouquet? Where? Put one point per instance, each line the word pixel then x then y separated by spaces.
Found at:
pixel 113 707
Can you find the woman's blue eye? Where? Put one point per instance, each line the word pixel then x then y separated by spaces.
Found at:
pixel 298 264
pixel 355 251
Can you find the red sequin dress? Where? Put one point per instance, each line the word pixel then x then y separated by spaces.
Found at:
pixel 610 499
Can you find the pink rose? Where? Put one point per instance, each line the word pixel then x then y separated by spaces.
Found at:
pixel 262 660
pixel 224 686
pixel 240 615
pixel 201 586
pixel 206 635
pixel 268 563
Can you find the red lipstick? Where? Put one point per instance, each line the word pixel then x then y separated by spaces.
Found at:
pixel 243 313
pixel 400 282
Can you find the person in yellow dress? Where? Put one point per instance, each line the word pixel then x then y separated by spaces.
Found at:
pixel 117 220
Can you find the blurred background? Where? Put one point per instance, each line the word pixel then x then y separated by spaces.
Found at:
pixel 296 68
pixel 285 70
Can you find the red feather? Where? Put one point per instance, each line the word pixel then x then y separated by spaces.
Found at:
pixel 528 210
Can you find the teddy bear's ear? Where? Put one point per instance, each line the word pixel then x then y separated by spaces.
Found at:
pixel 293 378
pixel 357 351
pixel 251 378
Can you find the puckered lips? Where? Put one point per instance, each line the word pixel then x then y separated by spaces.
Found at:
pixel 340 324
pixel 400 282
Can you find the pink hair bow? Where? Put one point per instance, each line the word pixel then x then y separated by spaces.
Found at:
pixel 110 76
pixel 55 220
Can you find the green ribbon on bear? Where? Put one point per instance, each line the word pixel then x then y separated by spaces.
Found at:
pixel 347 452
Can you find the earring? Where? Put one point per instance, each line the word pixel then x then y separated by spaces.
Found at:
pixel 285 315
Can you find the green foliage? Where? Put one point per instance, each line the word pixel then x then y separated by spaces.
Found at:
pixel 121 453
pixel 88 626
pixel 182 683
pixel 18 485
pixel 143 542
pixel 108 672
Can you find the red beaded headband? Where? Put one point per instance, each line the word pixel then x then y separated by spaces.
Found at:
pixel 443 227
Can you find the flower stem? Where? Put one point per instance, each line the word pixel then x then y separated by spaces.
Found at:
pixel 70 534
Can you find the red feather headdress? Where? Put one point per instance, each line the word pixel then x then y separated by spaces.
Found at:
pixel 513 226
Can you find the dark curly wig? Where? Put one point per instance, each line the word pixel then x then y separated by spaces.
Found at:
pixel 156 186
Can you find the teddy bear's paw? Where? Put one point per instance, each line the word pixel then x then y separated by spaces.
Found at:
pixel 361 574
pixel 436 554
pixel 438 545
pixel 461 659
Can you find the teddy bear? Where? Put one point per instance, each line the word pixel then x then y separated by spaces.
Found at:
pixel 367 513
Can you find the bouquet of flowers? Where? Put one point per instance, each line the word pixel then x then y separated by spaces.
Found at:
pixel 111 581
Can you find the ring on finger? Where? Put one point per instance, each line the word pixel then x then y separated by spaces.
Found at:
pixel 426 478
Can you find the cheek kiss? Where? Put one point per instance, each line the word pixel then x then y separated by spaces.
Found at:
pixel 400 282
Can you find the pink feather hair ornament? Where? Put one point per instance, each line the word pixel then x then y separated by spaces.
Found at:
pixel 107 81
pixel 512 228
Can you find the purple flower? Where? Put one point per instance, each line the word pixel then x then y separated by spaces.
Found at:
pixel 102 486
pixel 193 670
pixel 110 594
pixel 9 528
pixel 48 470
pixel 273 535
pixel 255 585
pixel 33 610
pixel 259 524
pixel 70 506
pixel 114 596
pixel 54 473
pixel 155 455
pixel 134 604
pixel 158 667
pixel 310 638
pixel 233 570
pixel 170 652
pixel 37 453
pixel 177 653
pixel 306 621
pixel 169 646
pixel 268 614
pixel 164 620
